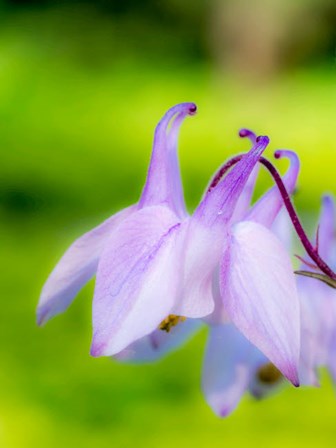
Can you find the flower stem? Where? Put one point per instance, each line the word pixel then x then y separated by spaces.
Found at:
pixel 310 249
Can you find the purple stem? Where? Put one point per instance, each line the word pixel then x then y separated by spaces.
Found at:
pixel 223 170
pixel 310 249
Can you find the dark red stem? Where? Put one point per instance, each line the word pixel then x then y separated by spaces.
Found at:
pixel 223 170
pixel 310 249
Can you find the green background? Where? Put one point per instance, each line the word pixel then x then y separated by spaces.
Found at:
pixel 79 101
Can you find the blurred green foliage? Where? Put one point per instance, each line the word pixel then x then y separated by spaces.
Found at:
pixel 77 115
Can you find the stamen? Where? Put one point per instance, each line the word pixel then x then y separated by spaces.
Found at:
pixel 269 374
pixel 171 321
pixel 311 251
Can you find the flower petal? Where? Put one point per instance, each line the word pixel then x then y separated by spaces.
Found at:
pixel 226 368
pixel 326 232
pixel 159 343
pixel 202 250
pixel 259 293
pixel 244 201
pixel 76 267
pixel 219 203
pixel 163 184
pixel 267 208
pixel 137 280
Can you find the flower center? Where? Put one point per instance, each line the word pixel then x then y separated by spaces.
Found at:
pixel 171 321
pixel 269 374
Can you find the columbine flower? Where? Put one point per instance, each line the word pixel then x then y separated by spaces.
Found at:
pixel 153 267
pixel 156 266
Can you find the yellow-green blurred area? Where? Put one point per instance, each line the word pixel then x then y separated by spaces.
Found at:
pixel 82 86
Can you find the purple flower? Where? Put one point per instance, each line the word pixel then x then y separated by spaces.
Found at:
pixel 157 266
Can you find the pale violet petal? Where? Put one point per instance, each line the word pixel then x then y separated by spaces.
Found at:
pixel 326 230
pixel 202 249
pixel 76 267
pixel 244 201
pixel 282 227
pixel 137 280
pixel 226 368
pixel 259 293
pixel 159 343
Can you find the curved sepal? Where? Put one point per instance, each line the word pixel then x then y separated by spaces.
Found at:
pixel 76 267
pixel 226 368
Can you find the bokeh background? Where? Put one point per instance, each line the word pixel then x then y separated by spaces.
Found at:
pixel 82 86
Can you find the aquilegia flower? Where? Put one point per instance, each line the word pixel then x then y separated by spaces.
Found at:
pixel 150 258
pixel 160 272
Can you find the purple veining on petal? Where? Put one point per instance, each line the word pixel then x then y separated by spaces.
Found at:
pixel 137 279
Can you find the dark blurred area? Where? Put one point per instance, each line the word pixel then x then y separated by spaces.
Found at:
pixel 262 39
